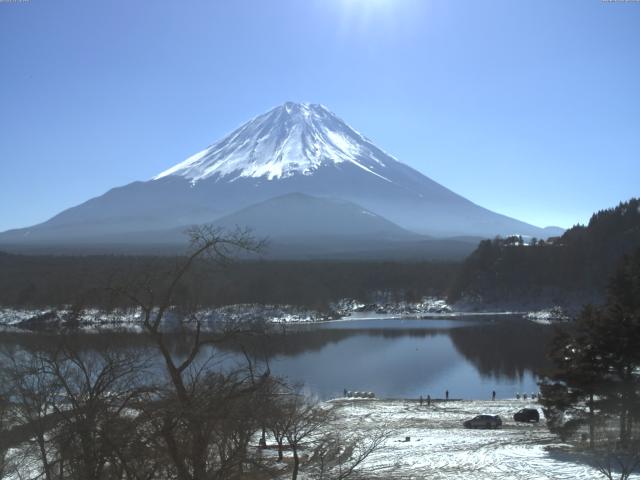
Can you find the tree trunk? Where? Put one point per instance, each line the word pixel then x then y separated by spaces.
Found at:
pixel 623 425
pixel 43 455
pixel 296 463
pixel 198 451
pixel 591 420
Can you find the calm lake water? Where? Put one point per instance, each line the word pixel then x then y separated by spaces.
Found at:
pixel 406 358
pixel 394 358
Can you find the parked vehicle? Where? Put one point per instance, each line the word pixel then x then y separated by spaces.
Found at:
pixel 484 421
pixel 527 415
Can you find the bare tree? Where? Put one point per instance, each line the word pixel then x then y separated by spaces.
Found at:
pixel 4 427
pixel 302 423
pixel 340 455
pixel 275 415
pixel 32 396
pixel 619 463
pixel 70 408
pixel 306 425
pixel 97 388
pixel 200 414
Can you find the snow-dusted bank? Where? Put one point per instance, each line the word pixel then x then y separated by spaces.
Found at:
pixel 130 320
pixel 344 310
pixel 548 315
pixel 440 448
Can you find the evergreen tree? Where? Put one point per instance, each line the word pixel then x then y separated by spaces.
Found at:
pixel 597 359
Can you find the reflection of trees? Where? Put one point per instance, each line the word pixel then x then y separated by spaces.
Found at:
pixel 504 349
pixel 41 341
pixel 301 340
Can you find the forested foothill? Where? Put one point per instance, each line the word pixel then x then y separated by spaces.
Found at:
pixel 569 270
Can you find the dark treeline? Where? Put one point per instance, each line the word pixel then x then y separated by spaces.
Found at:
pixel 568 270
pixel 45 281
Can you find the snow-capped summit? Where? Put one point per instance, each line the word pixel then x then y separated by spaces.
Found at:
pixel 294 138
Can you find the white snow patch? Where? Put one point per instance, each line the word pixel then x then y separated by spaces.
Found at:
pixel 548 316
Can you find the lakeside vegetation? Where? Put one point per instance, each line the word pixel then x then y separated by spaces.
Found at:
pixel 593 389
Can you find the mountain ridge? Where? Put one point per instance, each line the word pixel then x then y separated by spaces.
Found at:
pixel 297 215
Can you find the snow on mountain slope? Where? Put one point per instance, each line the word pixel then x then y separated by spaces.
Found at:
pixel 292 138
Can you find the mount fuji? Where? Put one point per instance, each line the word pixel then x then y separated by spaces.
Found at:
pixel 293 149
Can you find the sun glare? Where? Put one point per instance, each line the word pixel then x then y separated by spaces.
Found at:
pixel 363 15
pixel 380 17
pixel 368 5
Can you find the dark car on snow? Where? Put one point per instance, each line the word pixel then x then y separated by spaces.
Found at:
pixel 484 421
pixel 527 415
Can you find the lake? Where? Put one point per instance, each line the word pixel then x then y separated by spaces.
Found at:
pixel 394 358
pixel 406 358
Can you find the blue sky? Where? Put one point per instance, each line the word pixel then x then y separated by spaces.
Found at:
pixel 529 108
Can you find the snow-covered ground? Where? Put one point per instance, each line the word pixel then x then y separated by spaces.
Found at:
pixel 427 305
pixel 429 442
pixel 92 319
pixel 547 316
pixel 95 320
pixel 440 448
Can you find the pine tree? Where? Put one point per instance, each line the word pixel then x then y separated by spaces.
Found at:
pixel 597 359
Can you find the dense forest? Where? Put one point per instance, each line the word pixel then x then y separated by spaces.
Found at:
pixel 569 270
pixel 84 281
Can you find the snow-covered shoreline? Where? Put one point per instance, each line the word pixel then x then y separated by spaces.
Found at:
pixel 346 310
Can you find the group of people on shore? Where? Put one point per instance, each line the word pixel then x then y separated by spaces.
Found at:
pixel 422 400
pixel 524 396
pixel 446 397
pixel 427 400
